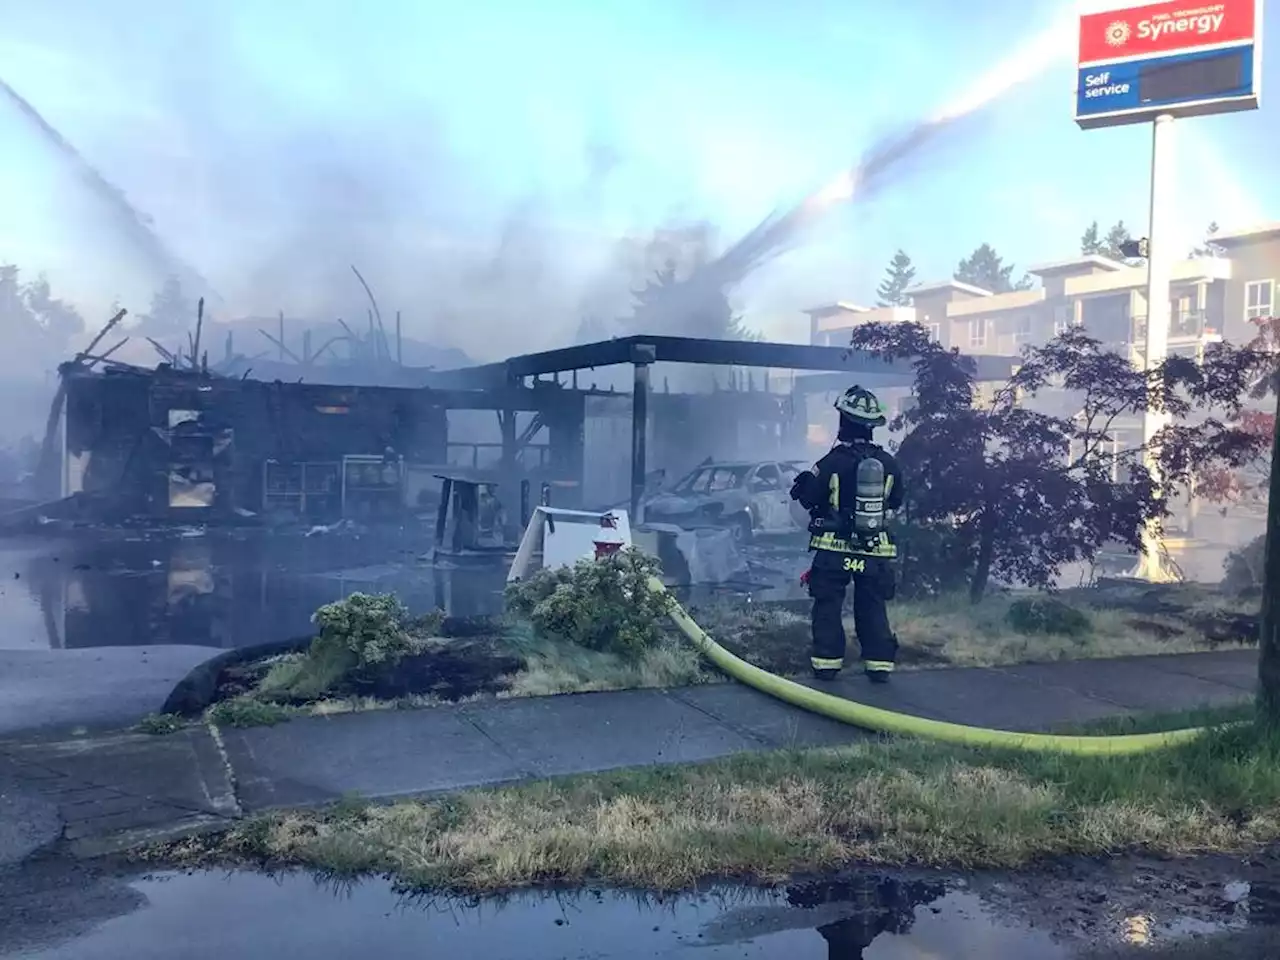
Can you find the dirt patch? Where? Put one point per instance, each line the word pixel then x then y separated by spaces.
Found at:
pixel 1156 628
pixel 1102 900
pixel 462 669
pixel 1224 627
pixel 446 669
pixel 779 638
pixel 1215 616
pixel 776 639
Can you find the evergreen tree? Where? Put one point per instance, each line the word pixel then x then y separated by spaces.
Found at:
pixel 1208 248
pixel 38 326
pixel 688 307
pixel 899 276
pixel 1091 242
pixel 60 320
pixel 170 313
pixel 1117 235
pixel 986 269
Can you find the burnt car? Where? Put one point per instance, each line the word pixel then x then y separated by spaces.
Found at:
pixel 747 497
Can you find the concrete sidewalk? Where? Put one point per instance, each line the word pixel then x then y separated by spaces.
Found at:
pixel 115 790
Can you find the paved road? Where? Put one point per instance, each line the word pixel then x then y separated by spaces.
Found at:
pixel 94 687
pixel 29 821
pixel 112 789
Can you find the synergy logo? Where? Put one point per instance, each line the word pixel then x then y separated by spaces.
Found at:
pixel 1199 23
pixel 1118 33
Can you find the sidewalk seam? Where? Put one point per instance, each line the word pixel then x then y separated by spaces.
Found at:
pixel 526 772
pixel 671 694
pixel 228 768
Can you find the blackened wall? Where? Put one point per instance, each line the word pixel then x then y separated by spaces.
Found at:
pixel 123 422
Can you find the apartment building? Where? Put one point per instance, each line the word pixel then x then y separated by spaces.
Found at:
pixel 1211 299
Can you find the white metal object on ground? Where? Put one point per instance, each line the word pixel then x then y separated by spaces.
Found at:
pixel 560 538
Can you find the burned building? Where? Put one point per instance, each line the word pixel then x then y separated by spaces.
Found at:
pixel 186 445
pixel 182 445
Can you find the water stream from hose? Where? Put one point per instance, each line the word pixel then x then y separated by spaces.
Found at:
pixel 1049 49
pixel 133 226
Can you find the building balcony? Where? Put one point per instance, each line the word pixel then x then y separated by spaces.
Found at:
pixel 1185 327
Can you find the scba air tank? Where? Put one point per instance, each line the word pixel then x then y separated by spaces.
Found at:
pixel 868 511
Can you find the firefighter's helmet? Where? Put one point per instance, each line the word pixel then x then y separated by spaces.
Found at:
pixel 861 406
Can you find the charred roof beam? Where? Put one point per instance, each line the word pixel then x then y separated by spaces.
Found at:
pixel 738 353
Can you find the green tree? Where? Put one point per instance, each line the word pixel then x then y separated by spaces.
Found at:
pixel 14 313
pixel 986 269
pixel 38 327
pixel 1117 235
pixel 899 276
pixel 1208 248
pixel 170 312
pixel 666 290
pixel 60 320
pixel 690 307
pixel 1091 241
pixel 993 497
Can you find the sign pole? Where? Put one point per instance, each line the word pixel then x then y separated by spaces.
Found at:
pixel 1161 257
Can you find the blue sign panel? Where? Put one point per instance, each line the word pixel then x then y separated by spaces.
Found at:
pixel 1185 83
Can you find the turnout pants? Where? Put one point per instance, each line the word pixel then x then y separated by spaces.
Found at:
pixel 873 585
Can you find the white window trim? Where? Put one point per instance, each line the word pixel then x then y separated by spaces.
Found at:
pixel 977 339
pixel 1022 332
pixel 935 331
pixel 1255 312
pixel 1073 319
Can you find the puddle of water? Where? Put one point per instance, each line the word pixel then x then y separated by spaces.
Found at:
pixel 231 588
pixel 214 588
pixel 248 915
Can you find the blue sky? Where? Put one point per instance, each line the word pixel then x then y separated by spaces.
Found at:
pixel 274 141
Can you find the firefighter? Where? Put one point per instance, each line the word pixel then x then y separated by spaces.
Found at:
pixel 848 494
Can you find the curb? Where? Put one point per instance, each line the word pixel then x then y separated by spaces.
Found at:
pixel 194 692
pixel 140 838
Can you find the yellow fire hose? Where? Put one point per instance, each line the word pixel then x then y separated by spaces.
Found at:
pixel 888 721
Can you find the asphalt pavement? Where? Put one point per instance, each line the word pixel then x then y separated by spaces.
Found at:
pixel 91 688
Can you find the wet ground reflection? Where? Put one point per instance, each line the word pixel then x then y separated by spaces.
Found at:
pixel 250 915
pixel 213 588
pixel 232 588
pixel 76 910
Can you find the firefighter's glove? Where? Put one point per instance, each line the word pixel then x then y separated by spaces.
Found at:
pixel 804 579
pixel 802 488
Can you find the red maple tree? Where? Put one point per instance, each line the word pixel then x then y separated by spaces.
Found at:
pixel 1249 485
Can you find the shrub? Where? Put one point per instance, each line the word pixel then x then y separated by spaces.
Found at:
pixel 603 605
pixel 363 634
pixel 934 559
pixel 247 712
pixel 1243 567
pixel 160 724
pixel 1047 615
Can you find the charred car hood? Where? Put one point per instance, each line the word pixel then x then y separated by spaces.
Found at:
pixel 672 504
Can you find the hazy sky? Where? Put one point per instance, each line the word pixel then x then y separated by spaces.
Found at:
pixel 274 143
